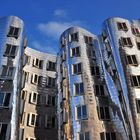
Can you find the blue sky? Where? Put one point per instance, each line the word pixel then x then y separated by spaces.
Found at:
pixel 45 20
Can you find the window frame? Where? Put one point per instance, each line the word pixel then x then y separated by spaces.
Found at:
pixel 103 135
pixel 51 125
pixel 38 63
pixel 127 42
pixel 105 117
pixel 33 79
pixel 84 134
pixel 130 58
pixel 82 116
pixel 51 66
pixel 135 31
pixel 122 26
pixel 31 97
pixel 13 32
pixel 1 125
pixel 137 78
pixel 9 54
pixel 138 105
pixel 80 88
pixel 75 51
pixel 7 73
pixel 30 119
pixel 2 105
pixel 75 68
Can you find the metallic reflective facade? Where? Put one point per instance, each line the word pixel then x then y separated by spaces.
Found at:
pixel 112 110
pixel 10 81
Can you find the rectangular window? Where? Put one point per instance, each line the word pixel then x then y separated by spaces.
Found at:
pixel 108 136
pixel 103 113
pixel 77 68
pixel 135 31
pixel 50 82
pixel 95 70
pixel 31 120
pixel 33 97
pixel 75 52
pixel 3 130
pixel 81 112
pixel 38 120
pixel 35 79
pixel 10 50
pixel 138 45
pixel 136 80
pixel 79 88
pixel 99 90
pixel 88 39
pixel 49 121
pixel 7 72
pixel 132 60
pixel 13 32
pixel 51 100
pixel 38 63
pixel 51 66
pixel 122 26
pixel 138 105
pixel 4 99
pixel 74 37
pixel 84 136
pixel 23 94
pixel 126 41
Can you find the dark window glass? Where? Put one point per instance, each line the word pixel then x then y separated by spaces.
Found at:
pixel 138 105
pixel 138 45
pixel 13 32
pixel 3 129
pixel 32 119
pixel 7 99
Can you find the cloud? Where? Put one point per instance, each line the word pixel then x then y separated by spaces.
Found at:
pixel 60 13
pixel 54 29
pixel 44 48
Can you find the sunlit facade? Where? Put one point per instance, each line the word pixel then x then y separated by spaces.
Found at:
pixel 99 82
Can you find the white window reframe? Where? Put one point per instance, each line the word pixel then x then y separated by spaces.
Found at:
pixel 33 79
pixel 32 97
pixel 30 119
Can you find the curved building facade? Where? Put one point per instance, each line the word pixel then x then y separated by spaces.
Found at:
pixel 11 54
pixel 38 97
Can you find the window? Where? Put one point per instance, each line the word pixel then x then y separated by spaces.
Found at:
pixel 108 136
pixel 132 60
pixel 51 100
pixel 38 121
pixel 23 94
pixel 81 112
pixel 122 26
pixel 138 45
pixel 74 37
pixel 77 68
pixel 127 42
pixel 33 97
pixel 38 63
pixel 27 59
pixel 31 120
pixel 138 105
pixel 51 82
pixel 88 39
pixel 51 66
pixel 10 50
pixel 103 113
pixel 84 136
pixel 79 88
pixel 3 130
pixel 135 31
pixel 22 118
pixel 30 138
pixel 7 71
pixel 49 121
pixel 136 80
pixel 35 79
pixel 99 90
pixel 75 52
pixel 95 70
pixel 4 99
pixel 14 32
